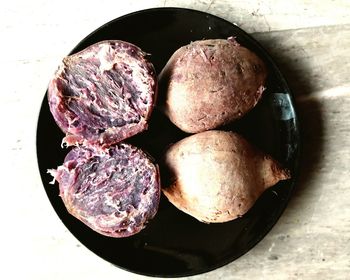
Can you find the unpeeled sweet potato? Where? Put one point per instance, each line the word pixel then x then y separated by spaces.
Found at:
pixel 210 83
pixel 217 176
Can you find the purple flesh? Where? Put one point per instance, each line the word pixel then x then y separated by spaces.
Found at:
pixel 103 94
pixel 115 192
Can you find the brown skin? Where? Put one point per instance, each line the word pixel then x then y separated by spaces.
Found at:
pixel 210 83
pixel 217 176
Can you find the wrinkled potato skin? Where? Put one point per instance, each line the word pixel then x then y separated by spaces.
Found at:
pixel 210 83
pixel 217 176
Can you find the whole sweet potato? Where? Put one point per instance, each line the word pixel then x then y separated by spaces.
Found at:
pixel 217 176
pixel 210 83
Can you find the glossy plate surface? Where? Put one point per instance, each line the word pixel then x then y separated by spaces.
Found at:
pixel 175 244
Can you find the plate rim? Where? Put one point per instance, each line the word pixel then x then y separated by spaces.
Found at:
pixel 297 140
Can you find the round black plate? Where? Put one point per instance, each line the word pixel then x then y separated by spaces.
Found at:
pixel 175 244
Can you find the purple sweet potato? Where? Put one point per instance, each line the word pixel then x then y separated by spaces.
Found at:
pixel 115 191
pixel 103 94
pixel 217 176
pixel 210 83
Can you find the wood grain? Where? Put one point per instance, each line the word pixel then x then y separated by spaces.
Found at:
pixel 313 59
pixel 310 40
pixel 272 15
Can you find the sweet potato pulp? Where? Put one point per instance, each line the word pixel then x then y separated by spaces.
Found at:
pixel 103 94
pixel 217 176
pixel 210 83
pixel 114 192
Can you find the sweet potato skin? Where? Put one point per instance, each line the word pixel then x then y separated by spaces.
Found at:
pixel 217 176
pixel 210 83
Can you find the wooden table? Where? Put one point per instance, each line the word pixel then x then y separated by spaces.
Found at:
pixel 310 40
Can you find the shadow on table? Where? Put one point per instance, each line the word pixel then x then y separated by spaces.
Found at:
pixel 298 74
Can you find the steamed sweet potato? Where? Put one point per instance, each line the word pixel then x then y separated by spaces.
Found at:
pixel 210 83
pixel 217 176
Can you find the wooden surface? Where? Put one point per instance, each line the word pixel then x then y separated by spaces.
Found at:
pixel 310 40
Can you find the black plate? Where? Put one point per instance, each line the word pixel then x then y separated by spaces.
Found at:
pixel 175 244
